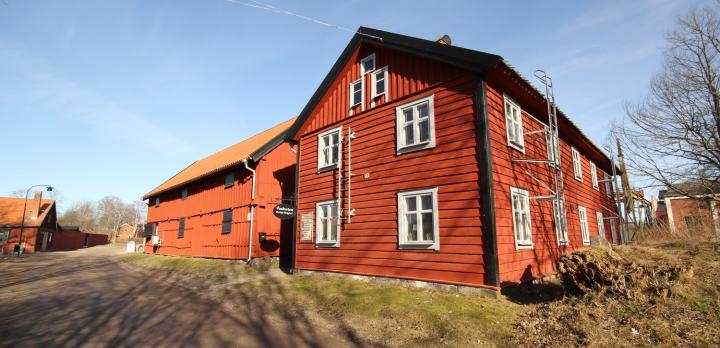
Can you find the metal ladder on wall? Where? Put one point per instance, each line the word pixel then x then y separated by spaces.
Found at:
pixel 551 132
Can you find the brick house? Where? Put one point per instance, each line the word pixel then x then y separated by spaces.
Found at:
pixel 688 215
pixel 425 161
pixel 124 233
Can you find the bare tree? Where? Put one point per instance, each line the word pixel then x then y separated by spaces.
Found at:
pixel 673 136
pixel 113 212
pixel 82 214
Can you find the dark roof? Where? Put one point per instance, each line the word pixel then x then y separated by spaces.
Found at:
pixel 691 188
pixel 471 60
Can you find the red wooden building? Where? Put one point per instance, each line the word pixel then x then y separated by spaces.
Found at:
pixel 73 238
pixel 425 161
pixel 40 223
pixel 217 205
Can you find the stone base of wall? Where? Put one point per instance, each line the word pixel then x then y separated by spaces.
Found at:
pixel 487 292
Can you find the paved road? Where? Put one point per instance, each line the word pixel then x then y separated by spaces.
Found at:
pixel 86 298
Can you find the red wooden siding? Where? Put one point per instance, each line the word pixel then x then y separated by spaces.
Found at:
pixel 369 244
pixel 520 265
pixel 208 198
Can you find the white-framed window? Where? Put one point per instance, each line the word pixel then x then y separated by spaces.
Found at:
pixel 328 149
pixel 584 232
pixel 561 230
pixel 380 83
pixel 418 226
pixel 553 150
pixel 367 64
pixel 521 218
pixel 357 93
pixel 514 125
pixel 415 125
pixel 577 164
pixel 613 231
pixel 593 176
pixel 327 222
pixel 608 184
pixel 601 224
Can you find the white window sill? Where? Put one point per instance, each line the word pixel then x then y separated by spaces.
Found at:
pixel 327 244
pixel 578 178
pixel 417 147
pixel 419 246
pixel 327 168
pixel 524 246
pixel 516 146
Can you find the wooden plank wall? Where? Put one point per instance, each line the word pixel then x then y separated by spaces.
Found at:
pixel 521 265
pixel 369 244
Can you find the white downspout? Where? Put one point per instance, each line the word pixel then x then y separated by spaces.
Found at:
pixel 252 209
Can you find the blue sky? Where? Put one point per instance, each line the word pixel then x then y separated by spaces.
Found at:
pixel 113 97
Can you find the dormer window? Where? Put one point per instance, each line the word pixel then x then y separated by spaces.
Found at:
pixel 379 84
pixel 367 64
pixel 356 93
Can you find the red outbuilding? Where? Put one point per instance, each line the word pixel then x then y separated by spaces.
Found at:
pixel 222 206
pixel 426 161
pixel 73 238
pixel 36 232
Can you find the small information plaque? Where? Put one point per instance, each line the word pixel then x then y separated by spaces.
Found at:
pixel 306 226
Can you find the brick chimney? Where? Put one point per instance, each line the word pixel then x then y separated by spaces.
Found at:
pixel 34 206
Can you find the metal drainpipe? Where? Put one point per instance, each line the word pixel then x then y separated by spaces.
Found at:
pixel 252 209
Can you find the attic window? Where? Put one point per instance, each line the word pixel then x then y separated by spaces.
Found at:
pixel 229 179
pixel 157 201
pixel 367 64
pixel 183 194
pixel 356 93
pixel 379 83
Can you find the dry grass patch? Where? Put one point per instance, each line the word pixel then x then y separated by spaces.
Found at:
pixel 210 269
pixel 397 316
pixel 664 294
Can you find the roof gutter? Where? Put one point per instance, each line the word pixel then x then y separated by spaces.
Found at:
pixel 252 209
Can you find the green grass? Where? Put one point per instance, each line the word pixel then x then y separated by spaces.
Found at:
pixel 393 315
pixel 188 266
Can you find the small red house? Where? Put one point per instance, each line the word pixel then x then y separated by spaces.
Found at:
pixel 425 161
pixel 124 233
pixel 40 223
pixel 222 206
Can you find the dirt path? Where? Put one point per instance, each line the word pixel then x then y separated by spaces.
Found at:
pixel 85 298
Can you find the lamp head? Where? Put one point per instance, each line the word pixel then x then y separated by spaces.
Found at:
pixel 49 188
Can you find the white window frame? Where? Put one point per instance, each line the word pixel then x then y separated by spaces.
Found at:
pixel 608 184
pixel 560 215
pixel 517 142
pixel 384 72
pixel 577 164
pixel 584 228
pixel 593 176
pixel 362 64
pixel 328 166
pixel 400 123
pixel 360 81
pixel 318 223
pixel 521 242
pixel 403 243
pixel 601 224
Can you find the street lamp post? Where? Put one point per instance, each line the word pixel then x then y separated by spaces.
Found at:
pixel 22 222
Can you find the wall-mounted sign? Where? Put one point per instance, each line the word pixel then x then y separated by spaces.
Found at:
pixel 284 211
pixel 306 226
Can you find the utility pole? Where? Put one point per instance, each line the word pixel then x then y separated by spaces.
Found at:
pixel 627 192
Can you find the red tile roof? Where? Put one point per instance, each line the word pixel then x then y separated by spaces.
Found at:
pixel 221 160
pixel 11 211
